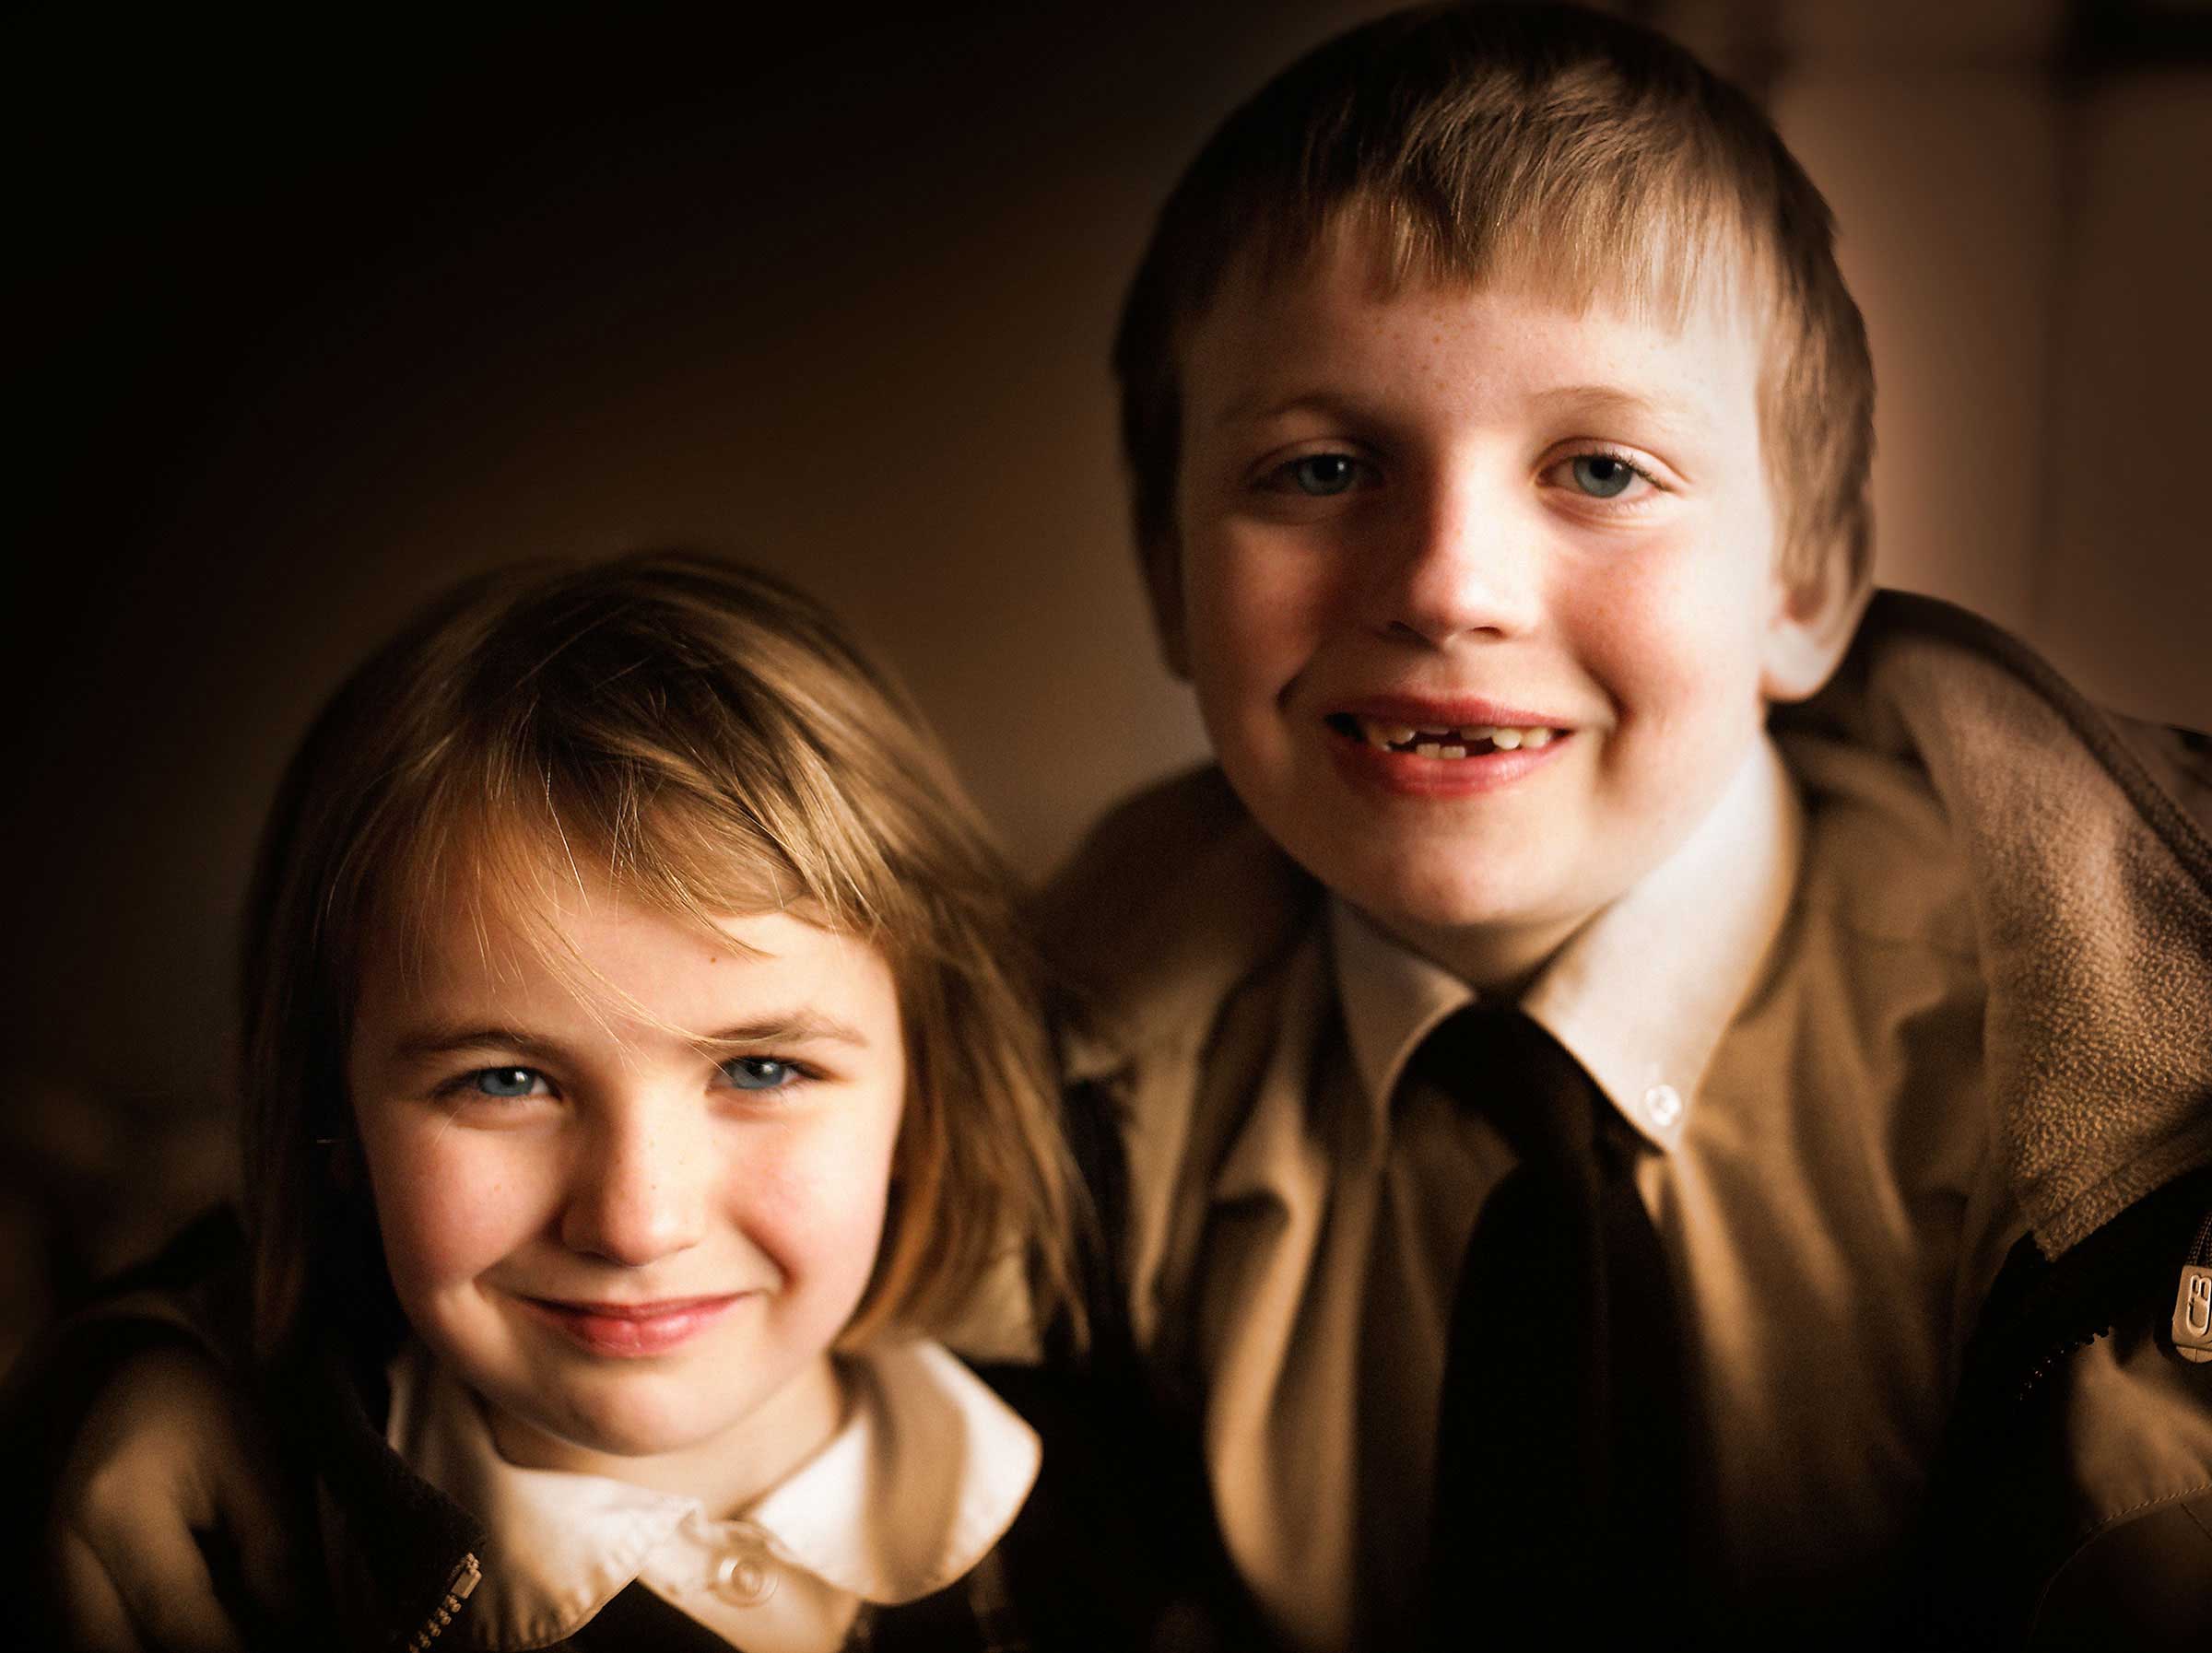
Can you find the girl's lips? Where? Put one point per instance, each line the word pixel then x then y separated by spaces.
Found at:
pixel 631 1330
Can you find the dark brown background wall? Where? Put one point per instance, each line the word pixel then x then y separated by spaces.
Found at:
pixel 312 323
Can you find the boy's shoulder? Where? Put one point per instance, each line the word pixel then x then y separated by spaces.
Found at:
pixel 1994 691
pixel 2081 840
pixel 1174 897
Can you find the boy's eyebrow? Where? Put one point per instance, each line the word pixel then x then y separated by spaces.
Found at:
pixel 1608 400
pixel 1611 400
pixel 1253 408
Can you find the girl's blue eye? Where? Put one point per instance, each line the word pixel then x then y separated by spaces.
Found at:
pixel 504 1082
pixel 1600 476
pixel 758 1072
pixel 1324 475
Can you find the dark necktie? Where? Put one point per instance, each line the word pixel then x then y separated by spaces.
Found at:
pixel 1561 1492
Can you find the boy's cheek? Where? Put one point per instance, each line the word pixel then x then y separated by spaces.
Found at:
pixel 1253 615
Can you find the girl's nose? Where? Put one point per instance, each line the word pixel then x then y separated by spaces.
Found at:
pixel 1463 565
pixel 639 1190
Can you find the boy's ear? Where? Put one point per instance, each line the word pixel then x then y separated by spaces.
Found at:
pixel 1164 584
pixel 1814 617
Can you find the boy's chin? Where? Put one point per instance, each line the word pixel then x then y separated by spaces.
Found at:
pixel 1487 936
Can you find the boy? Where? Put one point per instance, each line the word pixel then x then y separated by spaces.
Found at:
pixel 1499 428
pixel 1495 469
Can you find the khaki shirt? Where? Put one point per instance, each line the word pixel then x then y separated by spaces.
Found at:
pixel 1788 1010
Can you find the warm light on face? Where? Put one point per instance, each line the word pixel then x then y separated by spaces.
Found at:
pixel 633 1218
pixel 1479 593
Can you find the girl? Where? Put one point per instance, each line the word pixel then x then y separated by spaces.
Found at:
pixel 640 1067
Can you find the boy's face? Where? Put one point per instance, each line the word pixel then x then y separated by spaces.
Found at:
pixel 633 1223
pixel 1408 522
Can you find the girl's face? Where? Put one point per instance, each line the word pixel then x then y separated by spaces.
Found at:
pixel 633 1218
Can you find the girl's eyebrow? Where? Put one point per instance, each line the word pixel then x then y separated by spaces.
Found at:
pixel 797 1026
pixel 441 1041
pixel 802 1025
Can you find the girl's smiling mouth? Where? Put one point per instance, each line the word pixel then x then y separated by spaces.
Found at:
pixel 632 1330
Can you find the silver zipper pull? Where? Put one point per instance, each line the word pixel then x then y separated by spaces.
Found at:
pixel 2192 1314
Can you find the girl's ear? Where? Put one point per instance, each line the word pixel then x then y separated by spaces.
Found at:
pixel 342 1164
pixel 1814 618
pixel 1164 584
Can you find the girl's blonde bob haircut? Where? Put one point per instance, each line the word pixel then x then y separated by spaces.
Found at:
pixel 706 741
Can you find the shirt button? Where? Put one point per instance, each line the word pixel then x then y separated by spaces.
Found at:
pixel 743 1579
pixel 1662 1106
pixel 743 1575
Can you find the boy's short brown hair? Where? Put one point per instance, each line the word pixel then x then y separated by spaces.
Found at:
pixel 709 742
pixel 1588 157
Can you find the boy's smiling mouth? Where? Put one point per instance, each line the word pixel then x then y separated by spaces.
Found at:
pixel 1442 748
pixel 1449 741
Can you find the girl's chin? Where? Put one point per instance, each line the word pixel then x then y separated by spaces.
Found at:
pixel 592 1429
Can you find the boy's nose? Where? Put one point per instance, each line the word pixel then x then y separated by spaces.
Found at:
pixel 639 1191
pixel 1466 565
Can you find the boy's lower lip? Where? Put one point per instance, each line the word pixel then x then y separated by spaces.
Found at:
pixel 629 1331
pixel 1409 774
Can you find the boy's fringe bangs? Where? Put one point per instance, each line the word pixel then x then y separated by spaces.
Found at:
pixel 1577 192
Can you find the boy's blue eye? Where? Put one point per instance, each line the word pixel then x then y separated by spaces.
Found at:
pixel 504 1082
pixel 1600 476
pixel 1322 475
pixel 758 1072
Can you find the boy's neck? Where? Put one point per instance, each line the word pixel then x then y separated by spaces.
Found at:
pixel 1498 964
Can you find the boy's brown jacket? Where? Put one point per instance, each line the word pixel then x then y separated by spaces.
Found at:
pixel 2074 1496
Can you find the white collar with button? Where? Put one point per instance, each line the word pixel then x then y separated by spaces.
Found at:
pixel 925 1476
pixel 1640 994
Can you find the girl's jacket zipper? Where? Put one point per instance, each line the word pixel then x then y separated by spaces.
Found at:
pixel 466 1576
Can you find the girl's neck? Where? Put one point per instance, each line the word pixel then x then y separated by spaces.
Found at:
pixel 725 1472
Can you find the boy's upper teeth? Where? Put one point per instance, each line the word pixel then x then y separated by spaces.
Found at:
pixel 1453 742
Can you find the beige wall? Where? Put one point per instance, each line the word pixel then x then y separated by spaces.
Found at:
pixel 2027 227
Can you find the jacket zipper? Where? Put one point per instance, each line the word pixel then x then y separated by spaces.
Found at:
pixel 2192 1315
pixel 2192 1302
pixel 465 1576
pixel 2057 1353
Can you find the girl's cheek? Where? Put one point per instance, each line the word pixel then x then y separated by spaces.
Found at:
pixel 450 1203
pixel 819 1211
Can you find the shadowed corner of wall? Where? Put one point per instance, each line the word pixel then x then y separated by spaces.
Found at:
pixel 88 1185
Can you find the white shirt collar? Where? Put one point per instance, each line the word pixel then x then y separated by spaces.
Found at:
pixel 1640 994
pixel 925 1476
